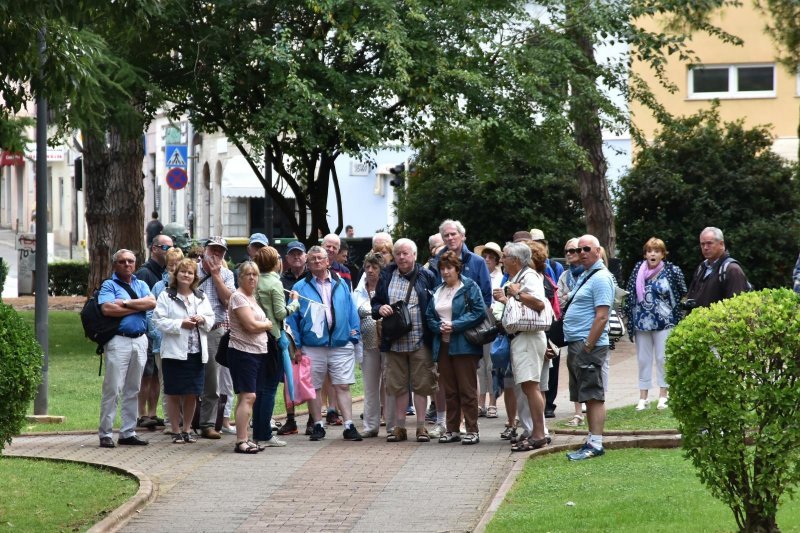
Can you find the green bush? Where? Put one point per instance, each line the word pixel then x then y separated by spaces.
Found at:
pixel 734 375
pixel 20 371
pixel 3 275
pixel 69 278
pixel 701 172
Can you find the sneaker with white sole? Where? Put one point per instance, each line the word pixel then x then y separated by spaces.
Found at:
pixel 586 452
pixel 437 431
pixel 662 404
pixel 642 405
pixel 274 442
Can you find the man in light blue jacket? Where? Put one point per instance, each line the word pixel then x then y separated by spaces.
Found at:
pixel 325 328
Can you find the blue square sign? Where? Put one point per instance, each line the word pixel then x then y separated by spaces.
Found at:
pixel 176 155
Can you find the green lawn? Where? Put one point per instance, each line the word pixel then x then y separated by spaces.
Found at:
pixel 625 490
pixel 75 387
pixel 628 418
pixel 57 496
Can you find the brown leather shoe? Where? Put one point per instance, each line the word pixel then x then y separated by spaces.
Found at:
pixel 210 433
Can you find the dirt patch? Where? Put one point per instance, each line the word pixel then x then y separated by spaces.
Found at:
pixel 56 303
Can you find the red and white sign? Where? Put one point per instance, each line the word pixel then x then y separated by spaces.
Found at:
pixel 10 159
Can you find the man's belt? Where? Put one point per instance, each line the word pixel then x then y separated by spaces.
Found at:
pixel 131 335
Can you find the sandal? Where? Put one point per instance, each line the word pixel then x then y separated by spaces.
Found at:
pixel 188 438
pixel 575 421
pixel 177 438
pixel 508 432
pixel 481 412
pixel 449 437
pixel 422 435
pixel 491 412
pixel 471 438
pixel 259 447
pixel 245 446
pixel 521 445
pixel 398 434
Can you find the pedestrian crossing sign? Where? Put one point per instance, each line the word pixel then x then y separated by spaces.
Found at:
pixel 176 155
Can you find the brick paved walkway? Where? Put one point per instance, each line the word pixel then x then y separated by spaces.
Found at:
pixel 331 485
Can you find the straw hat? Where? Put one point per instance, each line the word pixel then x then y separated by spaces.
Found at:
pixel 493 246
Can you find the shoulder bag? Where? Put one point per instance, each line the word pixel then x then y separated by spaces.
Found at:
pixel 556 332
pixel 518 317
pixel 485 332
pixel 399 322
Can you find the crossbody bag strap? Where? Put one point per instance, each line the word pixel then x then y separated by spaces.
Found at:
pixel 592 273
pixel 411 283
pixel 127 288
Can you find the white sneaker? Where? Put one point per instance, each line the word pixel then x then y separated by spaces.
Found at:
pixel 228 431
pixel 274 442
pixel 437 431
pixel 274 425
pixel 642 405
pixel 662 404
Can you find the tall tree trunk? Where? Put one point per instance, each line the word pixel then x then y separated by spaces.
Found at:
pixel 589 136
pixel 114 200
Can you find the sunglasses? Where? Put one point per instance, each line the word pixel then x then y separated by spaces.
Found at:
pixel 164 247
pixel 578 250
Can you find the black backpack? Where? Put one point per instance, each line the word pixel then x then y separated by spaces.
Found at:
pixel 98 327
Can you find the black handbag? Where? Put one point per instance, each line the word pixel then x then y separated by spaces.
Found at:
pixel 399 322
pixel 485 332
pixel 556 331
pixel 221 356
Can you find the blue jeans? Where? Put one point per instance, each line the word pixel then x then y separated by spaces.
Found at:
pixel 264 405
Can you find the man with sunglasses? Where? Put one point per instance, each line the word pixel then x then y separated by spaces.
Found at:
pixel 586 333
pixel 126 352
pixel 151 273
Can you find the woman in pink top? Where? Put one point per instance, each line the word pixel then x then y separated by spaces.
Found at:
pixel 247 351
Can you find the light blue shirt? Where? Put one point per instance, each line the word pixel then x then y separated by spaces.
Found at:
pixel 597 291
pixel 110 291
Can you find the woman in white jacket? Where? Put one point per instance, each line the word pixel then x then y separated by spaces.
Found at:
pixel 184 316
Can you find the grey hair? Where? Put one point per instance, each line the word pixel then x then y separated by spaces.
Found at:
pixel 591 238
pixel 317 250
pixel 715 231
pixel 404 242
pixel 119 252
pixel 519 251
pixel 381 235
pixel 332 237
pixel 455 223
pixel 435 240
pixel 571 240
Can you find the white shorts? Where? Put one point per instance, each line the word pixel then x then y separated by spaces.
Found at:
pixel 527 356
pixel 340 363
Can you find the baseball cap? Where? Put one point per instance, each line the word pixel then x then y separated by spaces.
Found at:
pixel 217 241
pixel 521 236
pixel 537 235
pixel 296 245
pixel 259 238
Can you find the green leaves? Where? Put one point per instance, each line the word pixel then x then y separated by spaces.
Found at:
pixel 733 370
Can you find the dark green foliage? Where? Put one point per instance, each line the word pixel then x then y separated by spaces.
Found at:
pixel 68 278
pixel 733 370
pixel 700 172
pixel 20 371
pixel 3 275
pixel 493 193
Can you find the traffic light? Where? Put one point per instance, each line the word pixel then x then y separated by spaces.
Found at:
pixel 399 179
pixel 78 173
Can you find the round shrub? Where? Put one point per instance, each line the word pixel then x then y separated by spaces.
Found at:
pixel 20 371
pixel 734 375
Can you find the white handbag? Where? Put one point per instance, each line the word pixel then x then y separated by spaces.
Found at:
pixel 518 318
pixel 616 327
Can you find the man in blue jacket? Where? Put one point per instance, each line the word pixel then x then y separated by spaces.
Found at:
pixel 325 329
pixel 454 235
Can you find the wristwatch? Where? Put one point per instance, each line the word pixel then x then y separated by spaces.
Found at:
pixel 125 303
pixel 517 297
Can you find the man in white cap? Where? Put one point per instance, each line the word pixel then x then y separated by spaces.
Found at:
pixel 216 281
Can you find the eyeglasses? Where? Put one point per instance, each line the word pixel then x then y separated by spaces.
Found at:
pixel 164 247
pixel 586 249
pixel 127 261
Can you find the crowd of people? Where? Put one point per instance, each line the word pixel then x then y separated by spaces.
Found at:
pixel 406 324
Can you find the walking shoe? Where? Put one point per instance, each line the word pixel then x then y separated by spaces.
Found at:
pixel 228 430
pixel 289 428
pixel 160 422
pixel 317 433
pixel 146 422
pixel 437 431
pixel 549 413
pixel 107 442
pixel 351 433
pixel 370 434
pixel 642 405
pixel 210 433
pixel 662 404
pixel 586 452
pixel 274 425
pixel 410 411
pixel 430 414
pixel 309 426
pixel 133 440
pixel 331 416
pixel 274 442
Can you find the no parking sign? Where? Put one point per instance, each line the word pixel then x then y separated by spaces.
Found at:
pixel 177 178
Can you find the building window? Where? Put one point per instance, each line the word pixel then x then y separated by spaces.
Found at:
pixel 732 81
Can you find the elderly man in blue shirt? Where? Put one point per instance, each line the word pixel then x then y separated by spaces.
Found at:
pixel 586 332
pixel 126 352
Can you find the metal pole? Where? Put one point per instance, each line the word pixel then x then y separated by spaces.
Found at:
pixel 267 198
pixel 40 301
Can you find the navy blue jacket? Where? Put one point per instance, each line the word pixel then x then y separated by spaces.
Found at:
pixel 474 268
pixel 468 312
pixel 424 285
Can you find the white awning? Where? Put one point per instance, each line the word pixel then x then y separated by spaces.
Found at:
pixel 239 180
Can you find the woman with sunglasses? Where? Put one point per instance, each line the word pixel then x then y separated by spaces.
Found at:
pixel 653 308
pixel 567 282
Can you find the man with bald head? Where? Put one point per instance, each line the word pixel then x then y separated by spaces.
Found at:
pixel 331 243
pixel 586 333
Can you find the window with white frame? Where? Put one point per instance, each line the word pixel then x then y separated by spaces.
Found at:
pixel 732 81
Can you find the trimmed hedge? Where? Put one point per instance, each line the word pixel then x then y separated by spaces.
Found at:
pixel 69 278
pixel 3 275
pixel 20 371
